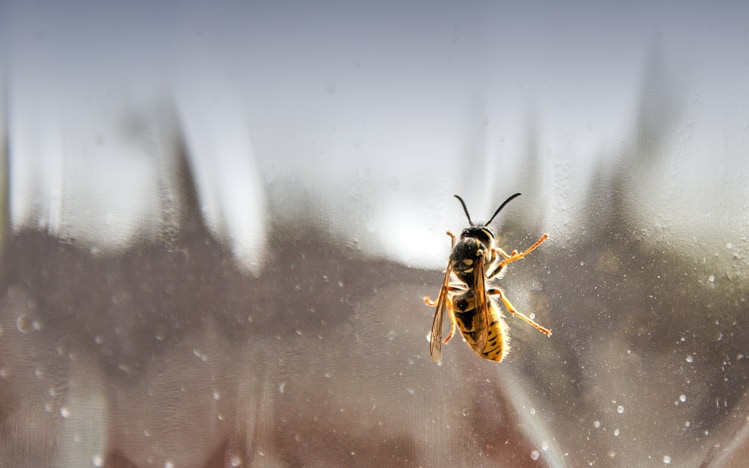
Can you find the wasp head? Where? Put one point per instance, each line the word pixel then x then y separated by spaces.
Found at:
pixel 482 234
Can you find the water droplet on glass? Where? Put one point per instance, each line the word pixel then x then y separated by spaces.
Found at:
pixel 97 460
pixel 23 324
pixel 620 409
pixel 532 411
pixel 235 461
pixel 596 424
pixel 281 387
pixel 666 460
pixel 616 432
pixel 534 455
pixel 65 412
pixel 682 398
pixel 690 358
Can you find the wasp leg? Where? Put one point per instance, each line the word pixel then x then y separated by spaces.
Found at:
pixel 511 257
pixel 455 287
pixel 452 239
pixel 511 309
pixel 453 322
pixel 505 254
pixel 517 256
pixel 495 271
pixel 452 288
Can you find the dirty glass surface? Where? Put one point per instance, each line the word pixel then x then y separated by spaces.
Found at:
pixel 219 224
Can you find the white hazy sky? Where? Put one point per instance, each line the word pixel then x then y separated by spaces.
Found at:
pixel 373 112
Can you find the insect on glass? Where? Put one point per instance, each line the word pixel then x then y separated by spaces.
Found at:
pixel 466 296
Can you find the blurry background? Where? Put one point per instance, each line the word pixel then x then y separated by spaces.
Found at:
pixel 218 223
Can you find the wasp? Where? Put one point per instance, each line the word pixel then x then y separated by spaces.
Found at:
pixel 465 296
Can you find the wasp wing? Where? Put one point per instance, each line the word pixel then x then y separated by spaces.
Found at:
pixel 482 303
pixel 435 339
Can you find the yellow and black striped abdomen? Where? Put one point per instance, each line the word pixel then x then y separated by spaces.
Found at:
pixel 472 326
pixel 497 341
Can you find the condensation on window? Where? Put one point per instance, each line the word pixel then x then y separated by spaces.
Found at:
pixel 219 224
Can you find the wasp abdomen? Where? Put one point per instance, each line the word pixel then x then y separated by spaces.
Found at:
pixel 474 328
pixel 497 343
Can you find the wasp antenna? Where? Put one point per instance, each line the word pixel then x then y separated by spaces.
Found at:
pixel 464 209
pixel 500 207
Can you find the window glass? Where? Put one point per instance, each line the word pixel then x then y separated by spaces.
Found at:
pixel 219 224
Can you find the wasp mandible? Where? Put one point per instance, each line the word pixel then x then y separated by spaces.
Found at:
pixel 476 260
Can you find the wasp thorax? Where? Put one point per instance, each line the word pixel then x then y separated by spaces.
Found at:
pixel 465 255
pixel 466 249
